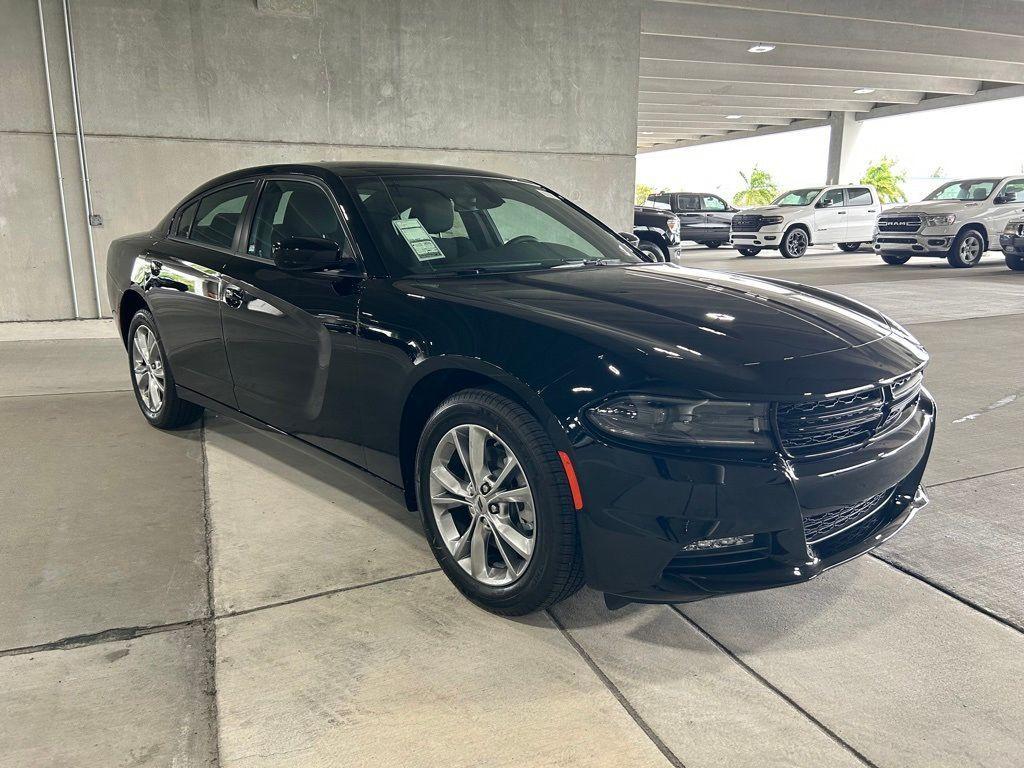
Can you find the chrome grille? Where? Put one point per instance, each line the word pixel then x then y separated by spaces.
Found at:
pixel 905 224
pixel 746 222
pixel 831 425
pixel 820 525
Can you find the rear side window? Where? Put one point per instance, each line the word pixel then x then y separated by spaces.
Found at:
pixel 184 222
pixel 859 196
pixel 218 215
pixel 688 203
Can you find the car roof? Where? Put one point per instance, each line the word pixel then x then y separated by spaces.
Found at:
pixel 353 168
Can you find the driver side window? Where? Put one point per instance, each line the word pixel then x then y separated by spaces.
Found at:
pixel 712 203
pixel 292 209
pixel 832 199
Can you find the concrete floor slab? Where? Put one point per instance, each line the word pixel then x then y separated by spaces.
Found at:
pixel 410 674
pixel 141 702
pixel 286 525
pixel 933 299
pixel 102 519
pixel 975 375
pixel 703 705
pixel 897 669
pixel 59 366
pixel 970 541
pixel 58 329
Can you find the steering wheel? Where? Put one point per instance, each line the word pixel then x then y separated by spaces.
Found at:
pixel 522 239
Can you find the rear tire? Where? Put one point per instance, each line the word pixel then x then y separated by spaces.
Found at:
pixel 152 378
pixel 967 249
pixel 1014 262
pixel 468 528
pixel 712 244
pixel 895 259
pixel 655 251
pixel 748 251
pixel 794 243
pixel 849 247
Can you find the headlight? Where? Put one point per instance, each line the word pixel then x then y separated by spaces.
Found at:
pixel 771 220
pixel 679 422
pixel 941 220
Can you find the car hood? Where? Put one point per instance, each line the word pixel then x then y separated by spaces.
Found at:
pixel 670 312
pixel 768 210
pixel 933 206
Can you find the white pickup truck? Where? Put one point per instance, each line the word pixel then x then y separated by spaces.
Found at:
pixel 832 215
pixel 959 221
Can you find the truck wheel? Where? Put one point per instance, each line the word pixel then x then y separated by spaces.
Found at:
pixel 794 244
pixel 712 244
pixel 653 250
pixel 1014 262
pixel 849 247
pixel 749 251
pixel 967 249
pixel 895 259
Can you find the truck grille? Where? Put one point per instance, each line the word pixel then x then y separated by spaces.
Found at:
pixel 746 222
pixel 834 424
pixel 820 525
pixel 904 224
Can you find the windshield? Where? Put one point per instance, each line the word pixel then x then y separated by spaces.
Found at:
pixel 429 225
pixel 971 189
pixel 798 196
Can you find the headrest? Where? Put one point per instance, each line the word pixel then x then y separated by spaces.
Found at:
pixel 979 194
pixel 435 211
pixel 310 213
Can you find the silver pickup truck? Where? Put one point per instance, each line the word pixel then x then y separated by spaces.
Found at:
pixel 959 221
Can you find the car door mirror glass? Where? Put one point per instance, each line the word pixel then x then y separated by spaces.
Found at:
pixel 1002 199
pixel 298 254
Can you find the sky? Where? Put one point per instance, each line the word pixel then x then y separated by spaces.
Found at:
pixel 973 140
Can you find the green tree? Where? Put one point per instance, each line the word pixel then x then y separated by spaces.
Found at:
pixel 883 177
pixel 643 191
pixel 760 189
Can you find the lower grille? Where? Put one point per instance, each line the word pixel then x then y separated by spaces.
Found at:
pixel 819 526
pixel 746 222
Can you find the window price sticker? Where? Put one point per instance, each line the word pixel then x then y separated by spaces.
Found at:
pixel 419 240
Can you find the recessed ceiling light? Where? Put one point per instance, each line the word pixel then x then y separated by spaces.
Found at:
pixel 733 117
pixel 862 91
pixel 761 48
pixel 646 133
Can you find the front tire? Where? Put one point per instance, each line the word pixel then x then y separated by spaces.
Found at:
pixel 895 259
pixel 967 249
pixel 152 379
pixel 849 247
pixel 794 244
pixel 748 251
pixel 1014 262
pixel 496 504
pixel 655 251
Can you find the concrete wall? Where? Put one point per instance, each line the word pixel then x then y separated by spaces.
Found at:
pixel 174 92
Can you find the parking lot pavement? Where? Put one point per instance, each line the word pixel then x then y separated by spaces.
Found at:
pixel 336 642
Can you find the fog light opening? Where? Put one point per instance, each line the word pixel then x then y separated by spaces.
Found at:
pixel 723 543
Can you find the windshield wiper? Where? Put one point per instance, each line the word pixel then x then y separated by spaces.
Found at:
pixel 587 263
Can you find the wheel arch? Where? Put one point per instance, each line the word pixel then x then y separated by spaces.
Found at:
pixel 799 225
pixel 131 302
pixel 441 378
pixel 978 227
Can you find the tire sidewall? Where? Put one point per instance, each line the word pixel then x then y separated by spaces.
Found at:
pixel 954 254
pixel 1014 262
pixel 652 249
pixel 748 252
pixel 894 260
pixel 548 496
pixel 144 317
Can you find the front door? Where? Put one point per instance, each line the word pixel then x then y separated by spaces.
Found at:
pixel 291 336
pixel 830 218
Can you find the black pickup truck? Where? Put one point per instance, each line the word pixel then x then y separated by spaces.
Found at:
pixel 658 230
pixel 703 218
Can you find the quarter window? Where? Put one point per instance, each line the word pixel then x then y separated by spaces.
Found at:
pixel 218 215
pixel 859 196
pixel 1014 191
pixel 292 209
pixel 832 199
pixel 184 222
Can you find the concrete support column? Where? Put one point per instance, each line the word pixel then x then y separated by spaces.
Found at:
pixel 843 130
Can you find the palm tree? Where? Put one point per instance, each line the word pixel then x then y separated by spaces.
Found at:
pixel 760 189
pixel 886 180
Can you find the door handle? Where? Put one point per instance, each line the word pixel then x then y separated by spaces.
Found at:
pixel 841 213
pixel 234 297
pixel 872 210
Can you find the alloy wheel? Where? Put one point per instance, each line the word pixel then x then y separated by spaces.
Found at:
pixel 970 249
pixel 482 505
pixel 796 243
pixel 148 368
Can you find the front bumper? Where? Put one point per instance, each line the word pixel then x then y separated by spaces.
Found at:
pixel 1012 244
pixel 918 244
pixel 766 237
pixel 642 510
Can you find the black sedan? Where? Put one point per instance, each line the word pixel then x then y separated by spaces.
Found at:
pixel 558 411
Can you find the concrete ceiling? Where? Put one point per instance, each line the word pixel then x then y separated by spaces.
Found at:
pixel 696 70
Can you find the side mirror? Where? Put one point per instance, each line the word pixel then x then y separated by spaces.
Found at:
pixel 630 238
pixel 1002 199
pixel 308 254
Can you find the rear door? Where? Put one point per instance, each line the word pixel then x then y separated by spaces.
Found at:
pixel 291 336
pixel 830 218
pixel 717 218
pixel 861 211
pixel 692 219
pixel 183 278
